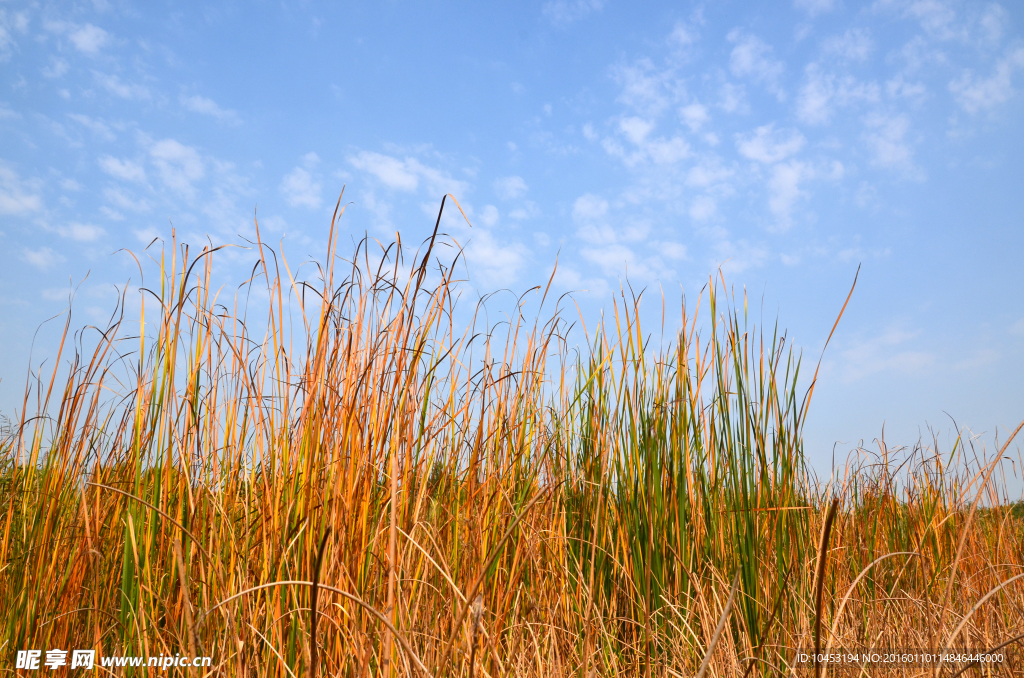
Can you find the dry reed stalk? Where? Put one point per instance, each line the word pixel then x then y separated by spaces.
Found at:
pixel 183 582
pixel 719 627
pixel 250 440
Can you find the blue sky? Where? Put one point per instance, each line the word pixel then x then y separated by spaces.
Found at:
pixel 786 143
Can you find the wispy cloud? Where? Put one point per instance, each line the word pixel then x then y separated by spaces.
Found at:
pixel 768 146
pixel 392 172
pixel 823 92
pixel 124 90
pixel 56 69
pixel 300 188
pixel 815 7
pixel 204 106
pixel 853 45
pixel 564 12
pixel 784 189
pixel 891 351
pixel 647 88
pixel 178 165
pixel 753 58
pixel 494 263
pixel 510 188
pixel 121 199
pixel 97 127
pixel 975 93
pixel 81 232
pixel 886 139
pixel 89 39
pixel 10 22
pixel 43 258
pixel 17 197
pixel 122 169
pixel 405 174
pixel 589 207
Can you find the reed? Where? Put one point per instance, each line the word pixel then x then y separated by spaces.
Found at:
pixel 368 486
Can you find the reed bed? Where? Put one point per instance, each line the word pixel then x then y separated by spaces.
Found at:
pixel 368 486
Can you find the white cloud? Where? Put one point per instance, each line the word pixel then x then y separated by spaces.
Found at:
pixel 81 232
pixel 813 102
pixel 646 88
pixel 179 165
pixel 853 45
pixel 391 171
pixel 6 41
pixel 661 151
pixel 510 188
pixel 975 94
pixel 706 174
pixel 119 198
pixel 822 90
pixel 768 146
pixel 703 208
pixel 496 264
pixel 993 22
pixel 886 139
pixel 589 207
pixel 899 87
pixel 528 210
pixel 884 352
pixel 614 259
pixel 694 115
pixel 17 197
pixel 97 127
pixel 667 151
pixel 732 98
pixel 672 250
pixel 489 215
pixel 58 293
pixel 815 7
pixel 1017 328
pixel 752 58
pixel 636 129
pixel 784 189
pixel 89 39
pixel 300 189
pixel 146 235
pixel 122 169
pixel 564 12
pixel 204 106
pixel 42 258
pixel 736 257
pixel 682 36
pixel 125 90
pixel 56 69
pixel 568 278
pixel 937 18
pixel 405 175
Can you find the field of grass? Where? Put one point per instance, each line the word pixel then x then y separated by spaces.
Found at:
pixel 367 488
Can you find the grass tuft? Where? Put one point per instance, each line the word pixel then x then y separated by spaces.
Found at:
pixel 366 486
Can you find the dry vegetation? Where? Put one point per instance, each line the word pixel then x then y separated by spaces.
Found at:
pixel 377 485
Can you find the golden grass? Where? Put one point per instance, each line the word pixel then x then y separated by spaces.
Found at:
pixel 379 493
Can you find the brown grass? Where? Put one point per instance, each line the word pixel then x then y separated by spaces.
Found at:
pixel 330 500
